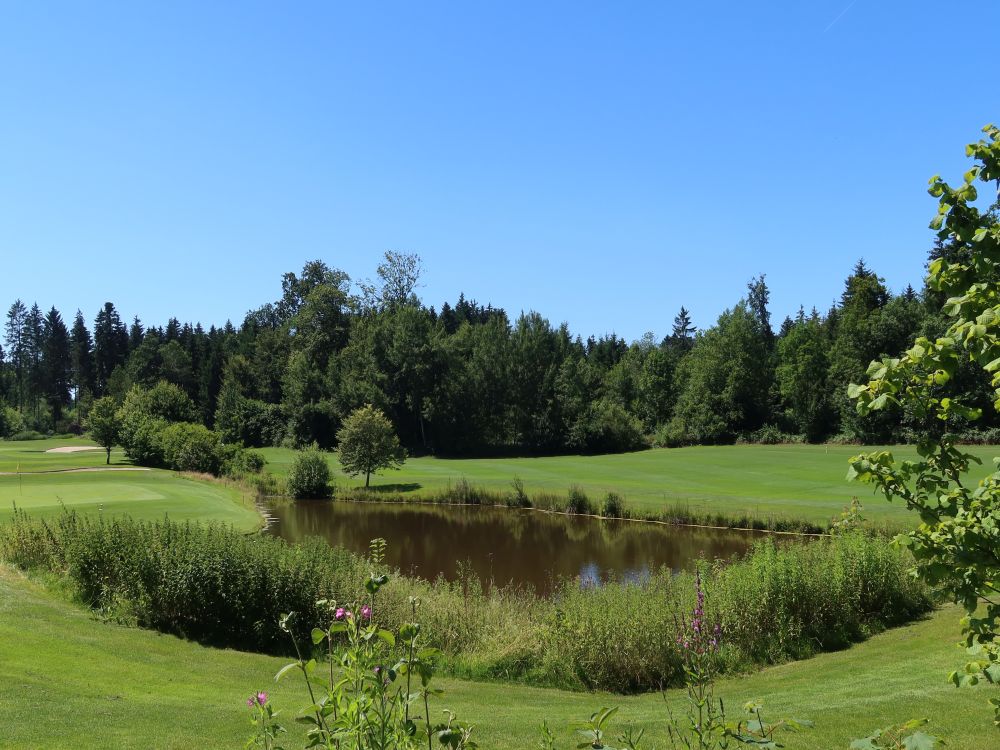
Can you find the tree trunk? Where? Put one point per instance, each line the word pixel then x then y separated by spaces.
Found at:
pixel 368 476
pixel 108 449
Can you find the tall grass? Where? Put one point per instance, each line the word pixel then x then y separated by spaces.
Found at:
pixel 222 587
pixel 576 501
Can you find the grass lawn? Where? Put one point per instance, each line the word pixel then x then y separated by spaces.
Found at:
pixel 795 481
pixel 68 680
pixel 140 494
pixel 32 455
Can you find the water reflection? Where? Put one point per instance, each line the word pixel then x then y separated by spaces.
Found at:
pixel 505 546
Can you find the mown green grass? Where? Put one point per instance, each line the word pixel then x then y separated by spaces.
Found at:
pixel 142 494
pixel 806 482
pixel 69 680
pixel 32 455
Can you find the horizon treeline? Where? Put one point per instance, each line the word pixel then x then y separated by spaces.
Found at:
pixel 468 380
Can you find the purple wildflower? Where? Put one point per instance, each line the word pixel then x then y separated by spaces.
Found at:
pixel 366 612
pixel 339 614
pixel 261 698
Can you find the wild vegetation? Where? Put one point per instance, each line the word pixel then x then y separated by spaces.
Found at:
pixel 225 588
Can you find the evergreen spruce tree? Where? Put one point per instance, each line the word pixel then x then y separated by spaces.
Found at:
pixel 110 346
pixel 14 338
pixel 56 364
pixel 682 335
pixel 81 358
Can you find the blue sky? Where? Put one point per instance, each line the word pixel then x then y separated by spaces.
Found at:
pixel 602 163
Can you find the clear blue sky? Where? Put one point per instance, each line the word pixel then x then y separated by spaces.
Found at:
pixel 602 163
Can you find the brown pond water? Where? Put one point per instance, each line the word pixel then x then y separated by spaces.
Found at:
pixel 505 545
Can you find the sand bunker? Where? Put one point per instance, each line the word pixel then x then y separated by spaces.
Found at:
pixel 75 449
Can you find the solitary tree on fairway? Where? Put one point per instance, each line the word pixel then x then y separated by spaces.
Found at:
pixel 368 443
pixel 102 423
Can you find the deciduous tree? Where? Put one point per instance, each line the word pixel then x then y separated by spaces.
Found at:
pixel 367 443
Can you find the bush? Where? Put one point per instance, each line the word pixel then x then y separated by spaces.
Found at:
pixel 28 435
pixel 614 506
pixel 191 447
pixel 770 435
pixel 309 476
pixel 671 435
pixel 578 502
pixel 11 422
pixel 241 462
pixel 606 427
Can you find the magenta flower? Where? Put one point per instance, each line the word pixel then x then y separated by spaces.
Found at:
pixel 339 614
pixel 257 699
pixel 366 612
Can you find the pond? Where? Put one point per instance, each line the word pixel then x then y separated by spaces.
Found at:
pixel 505 545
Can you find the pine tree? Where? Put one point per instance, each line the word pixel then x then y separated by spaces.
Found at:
pixel 34 340
pixel 14 338
pixel 135 334
pixel 56 363
pixel 110 346
pixel 81 358
pixel 682 335
pixel 758 295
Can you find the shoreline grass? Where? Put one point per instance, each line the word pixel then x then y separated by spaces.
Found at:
pixel 798 483
pixel 129 688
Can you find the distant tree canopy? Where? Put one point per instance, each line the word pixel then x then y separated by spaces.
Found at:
pixel 467 379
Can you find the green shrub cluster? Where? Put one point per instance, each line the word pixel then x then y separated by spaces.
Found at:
pixel 222 587
pixel 157 427
pixel 309 475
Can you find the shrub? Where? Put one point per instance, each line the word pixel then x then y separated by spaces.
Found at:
pixel 11 422
pixel 671 435
pixel 243 462
pixel 606 427
pixel 191 447
pixel 518 498
pixel 770 435
pixel 309 476
pixel 614 506
pixel 578 502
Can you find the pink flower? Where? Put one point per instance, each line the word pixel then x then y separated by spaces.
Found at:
pixel 339 614
pixel 366 612
pixel 257 699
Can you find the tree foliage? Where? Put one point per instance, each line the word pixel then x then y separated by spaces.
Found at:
pixel 367 443
pixel 957 544
pixel 309 475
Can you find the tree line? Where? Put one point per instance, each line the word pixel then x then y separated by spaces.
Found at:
pixel 467 379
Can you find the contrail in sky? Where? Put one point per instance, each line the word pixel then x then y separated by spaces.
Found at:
pixel 830 25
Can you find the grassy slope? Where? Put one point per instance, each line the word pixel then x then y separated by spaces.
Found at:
pixel 796 481
pixel 68 680
pixel 141 494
